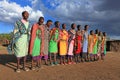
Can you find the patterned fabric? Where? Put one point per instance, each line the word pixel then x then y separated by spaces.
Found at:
pixel 95 48
pixel 46 39
pixel 78 42
pixel 104 45
pixel 20 29
pixel 99 45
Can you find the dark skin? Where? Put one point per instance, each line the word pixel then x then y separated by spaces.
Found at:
pixel 78 28
pixel 40 22
pixel 77 56
pixel 48 25
pixel 25 17
pixel 57 25
pixel 70 59
pixel 62 58
pixel 86 58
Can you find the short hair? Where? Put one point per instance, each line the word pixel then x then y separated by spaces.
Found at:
pixel 104 33
pixel 91 31
pixel 96 31
pixel 41 18
pixel 63 24
pixel 24 12
pixel 85 26
pixel 56 22
pixel 78 26
pixel 72 25
pixel 49 21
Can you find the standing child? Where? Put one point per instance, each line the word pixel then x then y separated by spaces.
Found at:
pixel 78 44
pixel 63 44
pixel 53 45
pixel 90 45
pixel 71 40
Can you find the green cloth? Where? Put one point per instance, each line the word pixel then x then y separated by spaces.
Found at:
pixel 95 48
pixel 53 47
pixel 37 44
pixel 21 45
pixel 105 49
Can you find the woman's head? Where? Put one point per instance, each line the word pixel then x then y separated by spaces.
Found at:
pixel 49 23
pixel 73 25
pixel 41 20
pixel 78 27
pixel 86 27
pixel 25 15
pixel 57 24
pixel 104 34
pixel 63 26
pixel 91 32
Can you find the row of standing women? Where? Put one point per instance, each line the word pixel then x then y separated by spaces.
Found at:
pixel 46 43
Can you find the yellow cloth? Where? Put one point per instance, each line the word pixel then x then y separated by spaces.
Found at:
pixel 63 42
pixel 90 43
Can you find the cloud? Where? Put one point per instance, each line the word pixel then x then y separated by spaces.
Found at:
pixel 10 11
pixel 101 14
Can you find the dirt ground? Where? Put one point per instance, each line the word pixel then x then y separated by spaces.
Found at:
pixel 109 69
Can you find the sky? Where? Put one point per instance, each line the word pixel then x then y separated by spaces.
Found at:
pixel 98 14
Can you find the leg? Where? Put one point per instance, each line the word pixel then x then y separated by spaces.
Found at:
pixel 51 58
pixel 55 61
pixel 46 58
pixel 61 59
pixel 76 58
pixel 39 59
pixel 69 59
pixel 64 60
pixel 24 64
pixel 18 65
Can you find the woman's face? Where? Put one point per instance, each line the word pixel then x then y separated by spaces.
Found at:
pixel 26 15
pixel 74 26
pixel 41 21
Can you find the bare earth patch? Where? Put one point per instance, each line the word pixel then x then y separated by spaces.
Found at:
pixel 109 69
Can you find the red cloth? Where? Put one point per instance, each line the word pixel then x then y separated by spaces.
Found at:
pixel 78 47
pixel 33 36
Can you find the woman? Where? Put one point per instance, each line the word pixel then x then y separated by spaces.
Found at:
pixel 36 42
pixel 85 43
pixel 63 44
pixel 78 44
pixel 95 48
pixel 71 42
pixel 100 35
pixel 90 45
pixel 21 38
pixel 53 44
pixel 104 39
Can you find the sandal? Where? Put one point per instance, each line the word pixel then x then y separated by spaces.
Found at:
pixel 18 70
